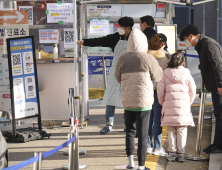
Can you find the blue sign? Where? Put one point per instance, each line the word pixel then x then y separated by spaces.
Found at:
pixel 23 77
pixel 95 65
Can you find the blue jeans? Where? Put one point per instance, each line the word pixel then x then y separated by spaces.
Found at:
pixel 110 110
pixel 154 125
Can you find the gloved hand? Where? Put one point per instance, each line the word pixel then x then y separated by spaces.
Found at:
pixel 80 42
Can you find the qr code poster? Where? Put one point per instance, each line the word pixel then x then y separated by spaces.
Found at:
pixel 18 88
pixel 68 38
pixel 30 13
pixel 28 62
pixel 30 89
pixel 16 64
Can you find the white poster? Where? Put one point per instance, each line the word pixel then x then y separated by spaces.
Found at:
pixel 99 26
pixel 104 10
pixel 26 109
pixel 170 32
pixel 30 89
pixel 49 36
pixel 16 64
pixel 59 12
pixel 28 62
pixel 30 13
pixel 68 38
pixel 18 87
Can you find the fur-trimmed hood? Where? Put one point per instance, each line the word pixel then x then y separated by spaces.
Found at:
pixel 159 54
pixel 162 58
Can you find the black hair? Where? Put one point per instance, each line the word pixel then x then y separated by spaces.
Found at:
pixel 176 60
pixel 148 19
pixel 126 22
pixel 187 30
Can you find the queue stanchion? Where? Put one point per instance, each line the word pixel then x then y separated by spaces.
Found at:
pixel 35 164
pixel 40 161
pixel 74 146
pixel 197 156
pixel 71 93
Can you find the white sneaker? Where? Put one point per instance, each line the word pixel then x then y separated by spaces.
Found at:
pixel 160 152
pixel 149 150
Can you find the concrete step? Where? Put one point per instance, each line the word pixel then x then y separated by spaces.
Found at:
pixel 215 159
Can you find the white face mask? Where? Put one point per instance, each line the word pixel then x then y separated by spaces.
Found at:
pixel 187 43
pixel 121 31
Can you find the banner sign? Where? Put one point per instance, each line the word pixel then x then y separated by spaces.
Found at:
pixel 59 12
pixel 23 77
pixel 104 10
pixel 161 7
pixel 95 65
pixel 49 36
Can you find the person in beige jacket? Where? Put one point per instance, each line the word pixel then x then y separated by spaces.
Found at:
pixel 136 70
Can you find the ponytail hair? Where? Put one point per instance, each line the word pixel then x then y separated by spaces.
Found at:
pixel 176 60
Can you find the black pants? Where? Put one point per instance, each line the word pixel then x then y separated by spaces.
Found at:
pixel 217 103
pixel 137 122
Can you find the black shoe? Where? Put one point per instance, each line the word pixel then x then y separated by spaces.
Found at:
pixel 214 149
pixel 208 147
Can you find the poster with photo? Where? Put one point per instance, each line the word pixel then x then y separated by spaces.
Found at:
pixel 18 87
pixel 28 62
pixel 30 89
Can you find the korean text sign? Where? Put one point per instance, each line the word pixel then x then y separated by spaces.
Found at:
pixel 59 12
pixel 23 77
pixel 49 36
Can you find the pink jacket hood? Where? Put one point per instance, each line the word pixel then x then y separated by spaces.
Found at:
pixel 179 75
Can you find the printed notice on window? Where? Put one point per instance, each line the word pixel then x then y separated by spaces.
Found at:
pixel 28 62
pixel 30 13
pixel 18 87
pixel 30 90
pixel 99 26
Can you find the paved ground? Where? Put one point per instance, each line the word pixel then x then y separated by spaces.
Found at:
pixel 105 152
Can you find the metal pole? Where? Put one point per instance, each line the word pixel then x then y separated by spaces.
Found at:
pixel 75 53
pixel 76 150
pixel 70 167
pixel 204 18
pixel 218 21
pixel 40 161
pixel 82 62
pixel 35 164
pixel 104 72
pixel 200 124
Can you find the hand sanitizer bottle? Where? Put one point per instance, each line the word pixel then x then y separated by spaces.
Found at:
pixel 55 52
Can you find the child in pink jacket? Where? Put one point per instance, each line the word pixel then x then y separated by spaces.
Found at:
pixel 176 92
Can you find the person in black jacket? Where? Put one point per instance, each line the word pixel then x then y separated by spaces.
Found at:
pixel 125 27
pixel 210 56
pixel 115 41
pixel 147 24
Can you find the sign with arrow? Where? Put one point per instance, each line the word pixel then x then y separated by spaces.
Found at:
pixel 13 17
pixel 181 45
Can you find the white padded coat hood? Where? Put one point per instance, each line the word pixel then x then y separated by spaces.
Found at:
pixel 137 41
